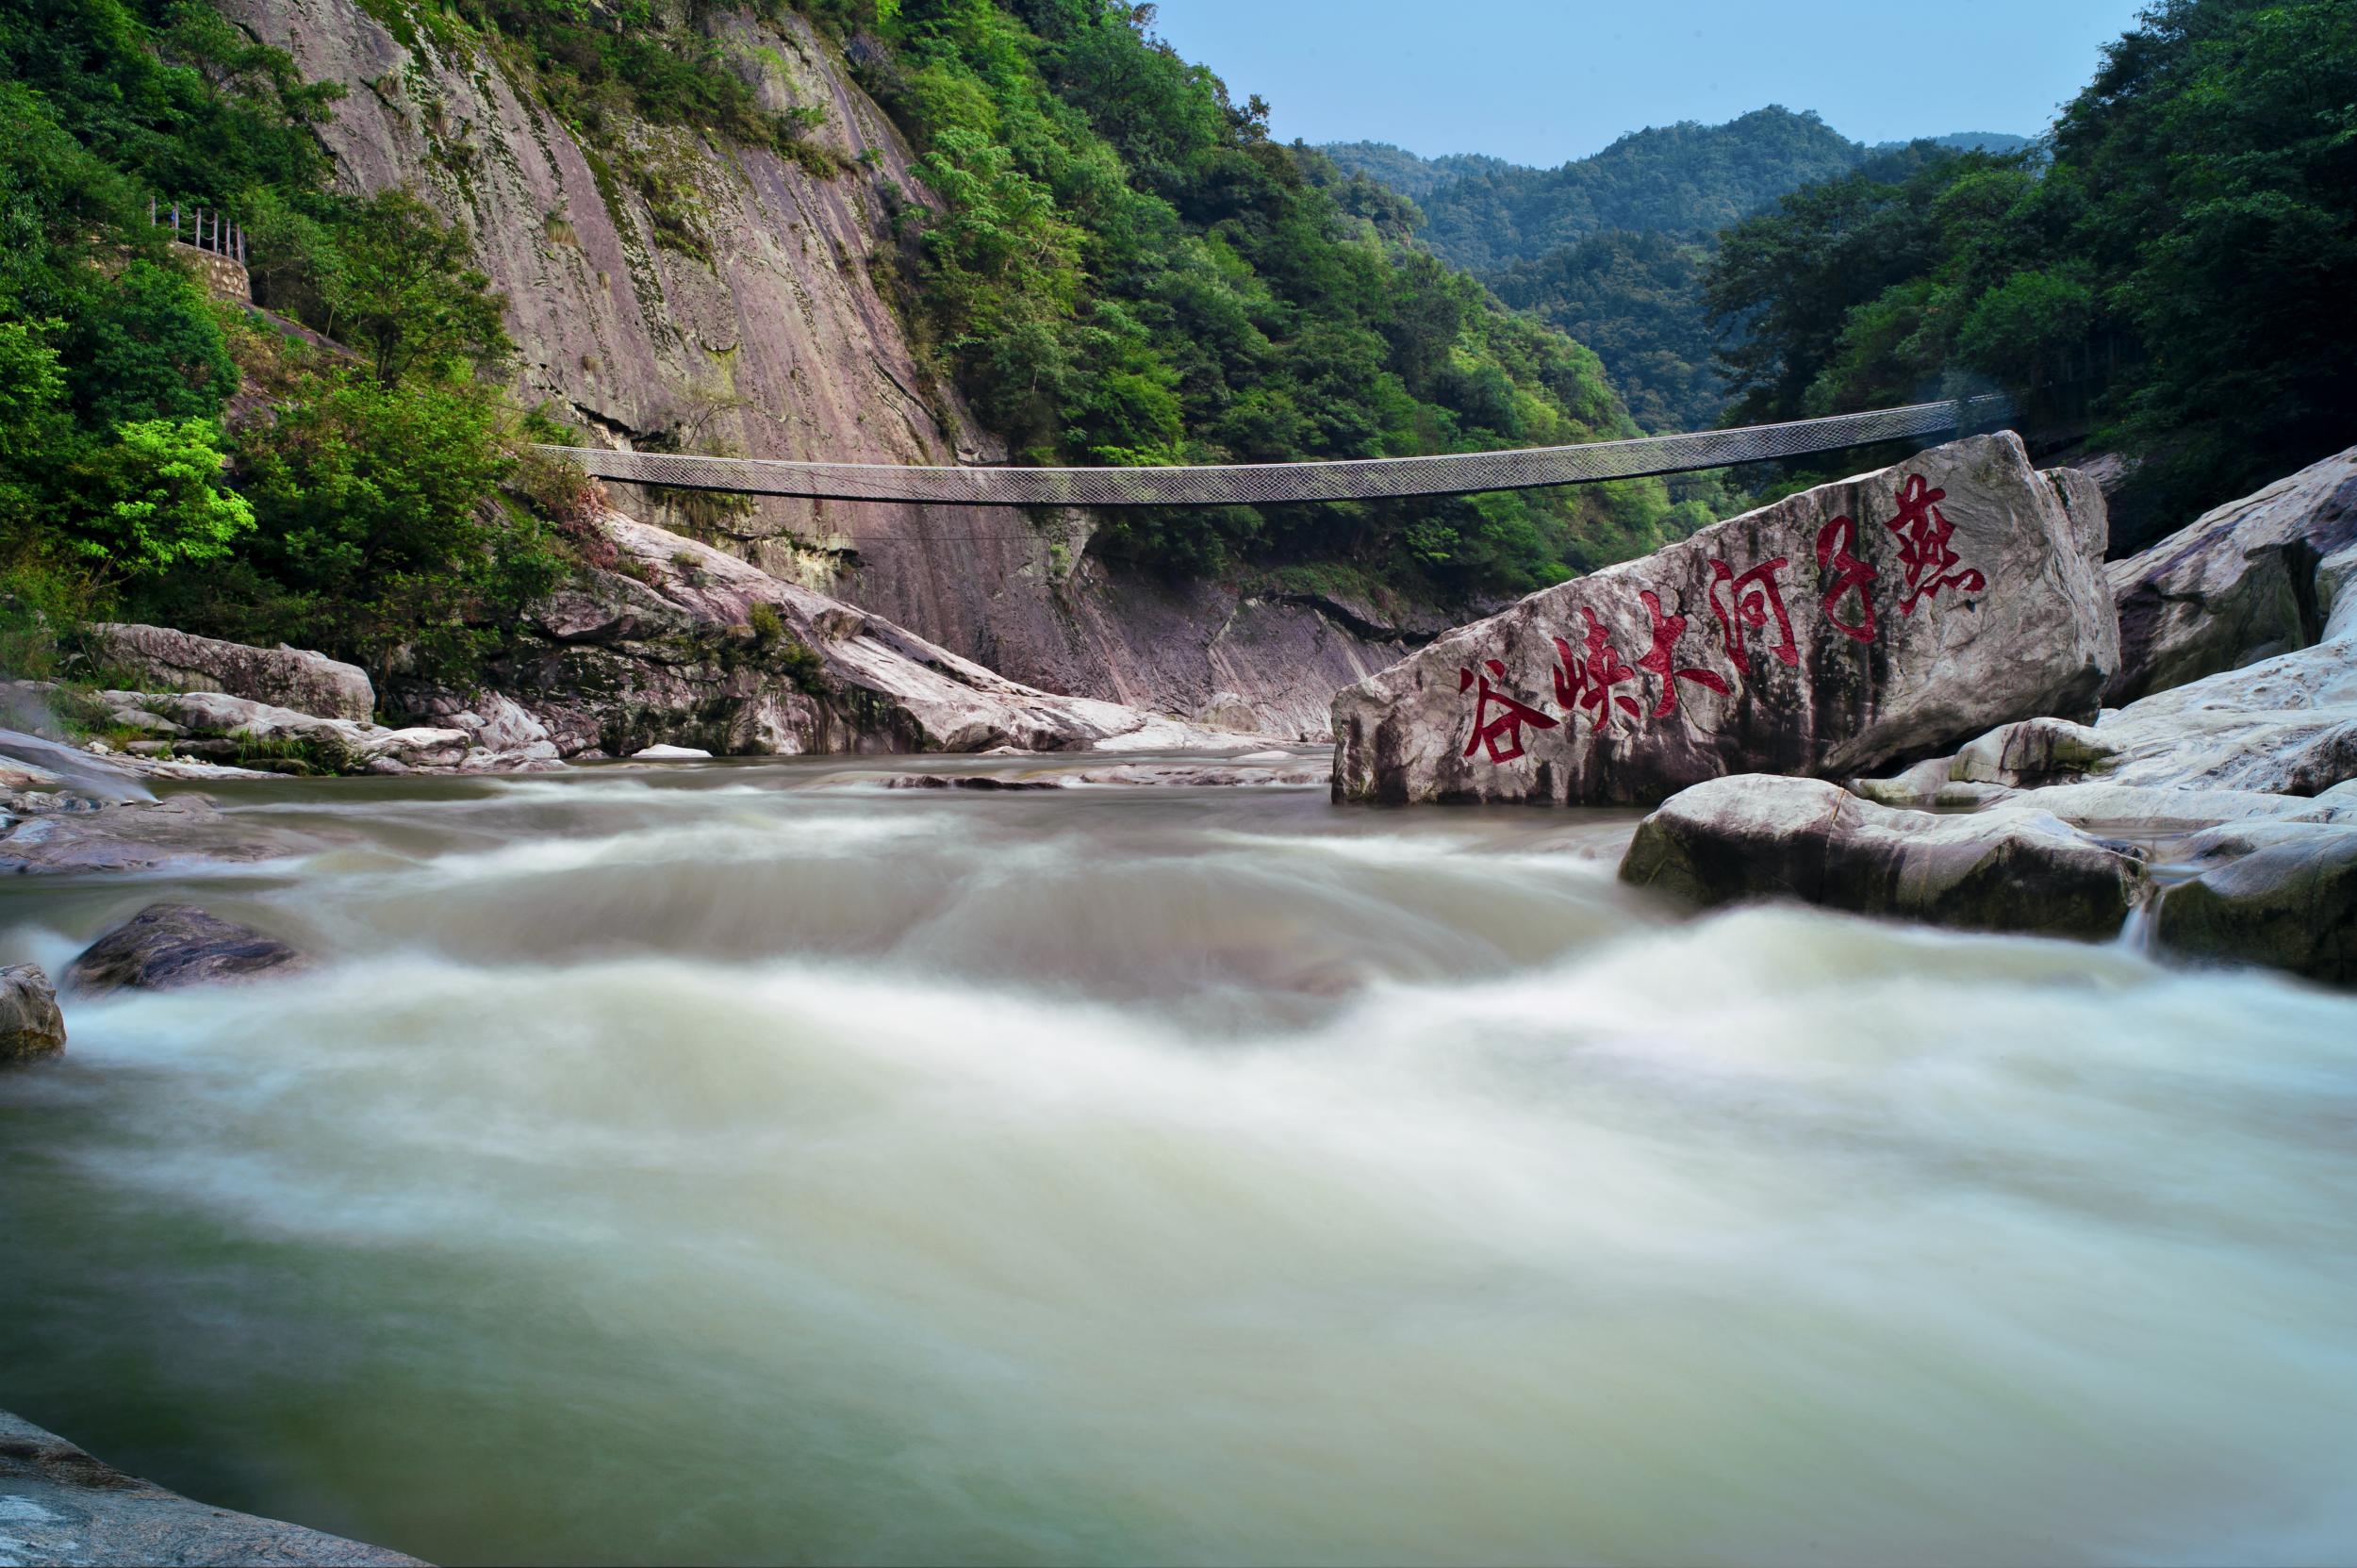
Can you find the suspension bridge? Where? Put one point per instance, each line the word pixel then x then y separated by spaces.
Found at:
pixel 1267 484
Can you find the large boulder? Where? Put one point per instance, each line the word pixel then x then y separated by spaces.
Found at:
pixel 1752 837
pixel 1890 614
pixel 167 946
pixel 284 677
pixel 30 1025
pixel 2251 579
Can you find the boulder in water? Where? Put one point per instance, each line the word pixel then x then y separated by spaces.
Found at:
pixel 31 1027
pixel 76 835
pixel 2283 894
pixel 1886 616
pixel 1752 837
pixel 167 946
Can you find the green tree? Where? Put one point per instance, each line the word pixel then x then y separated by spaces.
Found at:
pixel 157 498
pixel 404 289
pixel 148 347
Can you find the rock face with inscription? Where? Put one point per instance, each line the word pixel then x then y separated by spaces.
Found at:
pixel 1881 618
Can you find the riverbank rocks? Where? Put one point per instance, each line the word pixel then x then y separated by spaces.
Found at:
pixel 59 1505
pixel 168 946
pixel 284 677
pixel 1888 615
pixel 2009 869
pixel 2254 577
pixel 688 646
pixel 286 741
pixel 31 1028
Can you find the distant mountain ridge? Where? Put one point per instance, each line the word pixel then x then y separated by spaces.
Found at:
pixel 1687 180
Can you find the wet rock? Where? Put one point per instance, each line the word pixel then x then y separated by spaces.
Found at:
pixel 59 1505
pixel 1894 613
pixel 670 753
pixel 2283 894
pixel 183 831
pixel 2254 577
pixel 167 946
pixel 2003 869
pixel 282 677
pixel 30 1025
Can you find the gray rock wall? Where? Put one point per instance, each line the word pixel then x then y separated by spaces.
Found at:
pixel 1884 616
pixel 779 341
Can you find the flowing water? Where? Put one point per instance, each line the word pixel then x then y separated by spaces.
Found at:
pixel 744 1162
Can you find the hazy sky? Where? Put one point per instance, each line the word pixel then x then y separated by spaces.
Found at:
pixel 1539 81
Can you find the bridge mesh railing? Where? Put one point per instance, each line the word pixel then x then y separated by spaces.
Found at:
pixel 1263 484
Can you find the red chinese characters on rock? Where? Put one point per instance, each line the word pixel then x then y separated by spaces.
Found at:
pixel 1584 680
pixel 1587 679
pixel 1660 659
pixel 1748 601
pixel 1925 553
pixel 1835 544
pixel 1501 735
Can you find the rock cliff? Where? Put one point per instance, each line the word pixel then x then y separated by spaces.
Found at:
pixel 732 299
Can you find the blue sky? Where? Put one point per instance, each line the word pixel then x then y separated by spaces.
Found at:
pixel 1540 82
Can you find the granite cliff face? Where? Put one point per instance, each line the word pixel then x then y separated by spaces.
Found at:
pixel 728 298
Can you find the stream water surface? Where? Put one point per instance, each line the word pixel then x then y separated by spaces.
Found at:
pixel 748 1163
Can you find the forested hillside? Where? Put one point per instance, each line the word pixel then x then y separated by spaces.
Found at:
pixel 1611 249
pixel 2179 279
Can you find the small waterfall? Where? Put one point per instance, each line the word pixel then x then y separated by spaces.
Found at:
pixel 2140 932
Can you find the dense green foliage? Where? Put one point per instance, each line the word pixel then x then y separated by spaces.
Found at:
pixel 1400 169
pixel 1637 299
pixel 1130 270
pixel 2180 272
pixel 350 506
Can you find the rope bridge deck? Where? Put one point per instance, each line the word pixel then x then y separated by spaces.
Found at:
pixel 1263 484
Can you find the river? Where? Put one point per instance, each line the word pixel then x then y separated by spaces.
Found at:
pixel 743 1162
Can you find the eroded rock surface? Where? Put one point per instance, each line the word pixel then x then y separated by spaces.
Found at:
pixel 31 1028
pixel 167 946
pixel 283 677
pixel 59 1505
pixel 1885 616
pixel 2254 577
pixel 690 646
pixel 2009 869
